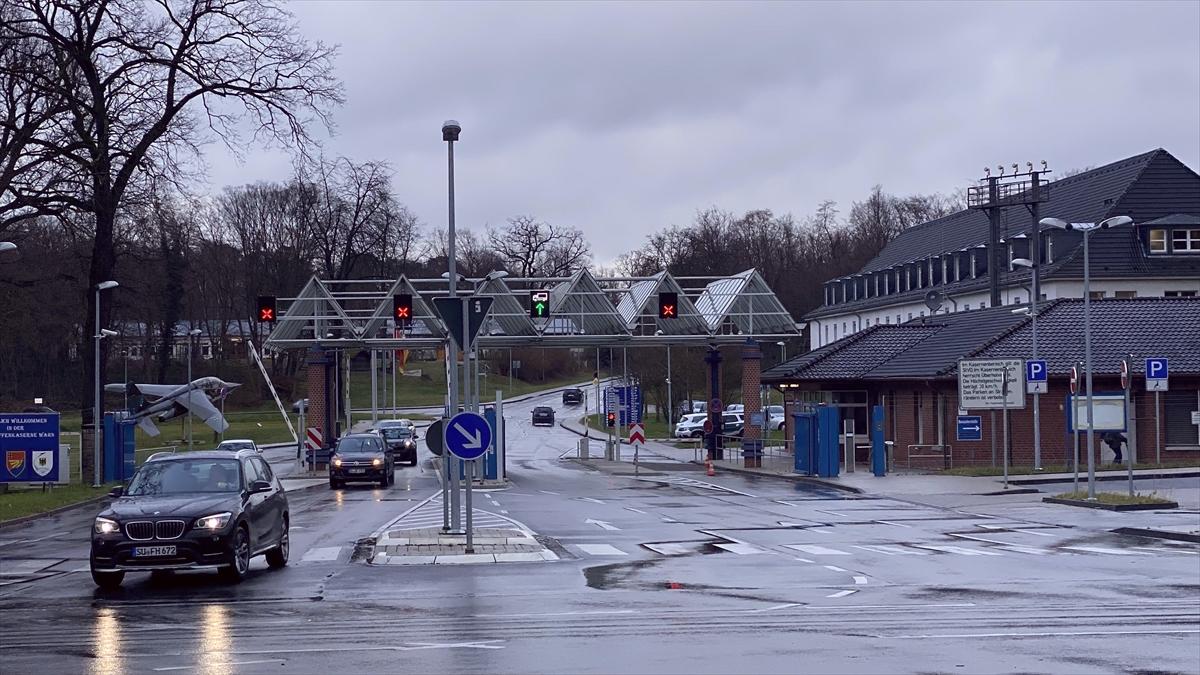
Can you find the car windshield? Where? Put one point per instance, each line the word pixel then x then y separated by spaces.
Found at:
pixel 180 476
pixel 396 433
pixel 352 446
pixel 542 410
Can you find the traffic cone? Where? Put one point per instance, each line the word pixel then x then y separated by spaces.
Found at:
pixel 709 466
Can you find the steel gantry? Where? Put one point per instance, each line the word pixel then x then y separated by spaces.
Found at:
pixel 585 311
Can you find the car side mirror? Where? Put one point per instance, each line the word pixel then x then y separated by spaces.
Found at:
pixel 259 486
pixel 117 491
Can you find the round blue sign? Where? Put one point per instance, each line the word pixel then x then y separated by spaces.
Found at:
pixel 468 435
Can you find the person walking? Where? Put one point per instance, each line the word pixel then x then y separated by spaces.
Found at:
pixel 1114 439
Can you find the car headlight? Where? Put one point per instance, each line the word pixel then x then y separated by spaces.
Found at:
pixel 217 521
pixel 105 526
pixel 377 462
pixel 337 461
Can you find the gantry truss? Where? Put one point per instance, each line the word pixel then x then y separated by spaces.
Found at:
pixel 585 311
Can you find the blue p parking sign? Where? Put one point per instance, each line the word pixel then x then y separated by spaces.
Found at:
pixel 1035 376
pixel 1156 374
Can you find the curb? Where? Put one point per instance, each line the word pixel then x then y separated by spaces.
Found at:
pixel 52 512
pixel 1159 534
pixel 1109 477
pixel 1110 507
pixel 1018 491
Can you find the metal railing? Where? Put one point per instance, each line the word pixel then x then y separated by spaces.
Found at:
pixel 942 452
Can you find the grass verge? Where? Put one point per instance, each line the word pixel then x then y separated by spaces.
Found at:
pixel 20 501
pixel 1058 468
pixel 1116 498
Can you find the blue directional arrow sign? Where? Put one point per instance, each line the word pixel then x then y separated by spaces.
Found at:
pixel 468 435
pixel 1035 376
pixel 970 428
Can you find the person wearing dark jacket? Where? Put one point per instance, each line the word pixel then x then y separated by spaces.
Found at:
pixel 1114 439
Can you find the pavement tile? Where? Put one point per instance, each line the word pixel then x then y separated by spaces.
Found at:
pixel 519 557
pixel 465 559
pixel 412 560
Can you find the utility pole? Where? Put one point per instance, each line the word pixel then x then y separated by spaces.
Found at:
pixel 450 133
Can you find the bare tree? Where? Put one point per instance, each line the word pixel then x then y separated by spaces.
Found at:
pixel 141 79
pixel 531 248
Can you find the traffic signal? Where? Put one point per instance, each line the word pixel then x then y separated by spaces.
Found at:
pixel 539 304
pixel 668 305
pixel 612 419
pixel 402 309
pixel 266 309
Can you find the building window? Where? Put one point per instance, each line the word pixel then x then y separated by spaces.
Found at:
pixel 1185 241
pixel 1016 300
pixel 1126 294
pixel 967 307
pixel 910 316
pixel 983 305
pixel 1158 241
pixel 854 324
pixel 1096 295
pixel 1179 294
pixel 826 334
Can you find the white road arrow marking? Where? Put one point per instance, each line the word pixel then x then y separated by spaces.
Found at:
pixel 601 523
pixel 475 439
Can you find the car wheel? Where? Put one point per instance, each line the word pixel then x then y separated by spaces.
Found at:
pixel 278 556
pixel 108 580
pixel 240 555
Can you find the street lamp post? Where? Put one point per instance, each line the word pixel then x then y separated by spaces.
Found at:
pixel 1033 314
pixel 1087 229
pixel 192 334
pixel 450 511
pixel 97 423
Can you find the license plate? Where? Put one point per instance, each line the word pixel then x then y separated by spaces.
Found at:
pixel 358 470
pixel 153 551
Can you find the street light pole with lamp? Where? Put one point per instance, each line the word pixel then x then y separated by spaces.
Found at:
pixel 1033 314
pixel 450 507
pixel 1087 229
pixel 97 423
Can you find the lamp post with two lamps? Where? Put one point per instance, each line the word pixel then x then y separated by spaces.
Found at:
pixel 97 422
pixel 1087 229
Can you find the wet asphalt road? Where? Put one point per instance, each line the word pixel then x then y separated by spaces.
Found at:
pixel 674 572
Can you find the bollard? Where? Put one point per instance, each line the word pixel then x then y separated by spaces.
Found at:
pixel 583 448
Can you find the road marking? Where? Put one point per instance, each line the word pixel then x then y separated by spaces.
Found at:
pixel 668 519
pixel 832 513
pixel 504 512
pixel 1157 549
pixel 890 550
pixel 859 580
pixel 741 548
pixel 888 522
pixel 834 568
pixel 814 550
pixel 669 548
pixel 602 524
pixel 590 499
pixel 805 560
pixel 323 554
pixel 842 594
pixel 600 549
pixel 1108 551
pixel 785 605
pixel 31 541
pixel 1028 550
pixel 220 665
pixel 1185 631
pixel 630 508
pixel 1040 534
pixel 548 492
pixel 820 530
pixel 957 550
pixel 526 616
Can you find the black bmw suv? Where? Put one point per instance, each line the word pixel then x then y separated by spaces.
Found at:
pixel 195 510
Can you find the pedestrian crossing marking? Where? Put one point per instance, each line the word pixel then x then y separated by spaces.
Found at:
pixel 957 549
pixel 891 550
pixel 740 548
pixel 600 549
pixel 815 550
pixel 1108 551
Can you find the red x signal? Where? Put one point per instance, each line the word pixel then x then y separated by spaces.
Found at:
pixel 668 311
pixel 266 309
pixel 402 312
pixel 266 314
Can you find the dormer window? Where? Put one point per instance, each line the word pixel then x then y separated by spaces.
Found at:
pixel 1185 240
pixel 1158 241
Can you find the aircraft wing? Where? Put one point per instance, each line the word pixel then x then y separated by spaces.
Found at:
pixel 144 389
pixel 196 401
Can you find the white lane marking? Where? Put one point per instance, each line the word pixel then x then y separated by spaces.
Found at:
pixel 858 580
pixel 890 550
pixel 602 524
pixel 819 530
pixel 1185 631
pixel 785 605
pixel 600 549
pixel 841 594
pixel 630 508
pixel 805 560
pixel 668 519
pixel 590 499
pixel 741 548
pixel 1108 551
pixel 888 522
pixel 548 492
pixel 525 616
pixel 221 665
pixel 814 550
pixel 957 550
pixel 504 512
pixel 669 548
pixel 1040 534
pixel 322 554
pixel 1028 550
pixel 1157 549
pixel 834 568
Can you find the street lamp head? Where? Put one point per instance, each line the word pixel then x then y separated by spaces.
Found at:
pixel 1116 221
pixel 1022 262
pixel 450 130
pixel 495 274
pixel 658 332
pixel 194 332
pixel 1055 222
pixel 105 285
pixel 446 275
pixel 781 343
pixel 6 246
pixel 106 333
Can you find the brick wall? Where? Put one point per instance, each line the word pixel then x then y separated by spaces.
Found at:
pixel 751 393
pixel 318 406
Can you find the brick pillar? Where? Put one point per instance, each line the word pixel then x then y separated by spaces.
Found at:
pixel 752 443
pixel 318 412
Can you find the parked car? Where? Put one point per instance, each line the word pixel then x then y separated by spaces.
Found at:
pixel 732 424
pixel 690 425
pixel 361 458
pixel 235 444
pixel 543 415
pixel 775 417
pixel 401 422
pixel 735 408
pixel 214 509
pixel 572 396
pixel 403 442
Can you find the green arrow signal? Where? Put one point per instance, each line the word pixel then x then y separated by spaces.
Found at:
pixel 540 308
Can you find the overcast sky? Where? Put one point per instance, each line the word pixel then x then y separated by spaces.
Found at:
pixel 621 119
